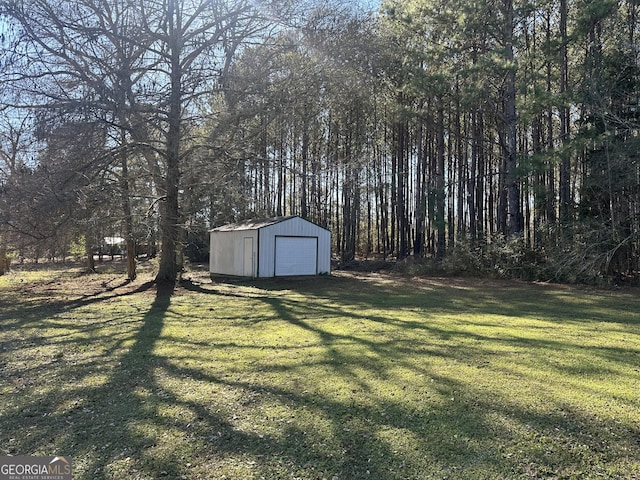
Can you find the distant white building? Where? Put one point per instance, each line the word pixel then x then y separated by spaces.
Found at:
pixel 272 247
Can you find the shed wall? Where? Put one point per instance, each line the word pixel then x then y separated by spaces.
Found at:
pixel 294 227
pixel 227 252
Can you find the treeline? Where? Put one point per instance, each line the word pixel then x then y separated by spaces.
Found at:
pixel 500 136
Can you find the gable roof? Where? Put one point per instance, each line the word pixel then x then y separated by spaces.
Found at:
pixel 257 224
pixel 254 224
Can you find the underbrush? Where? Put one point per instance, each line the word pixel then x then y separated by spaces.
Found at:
pixel 512 258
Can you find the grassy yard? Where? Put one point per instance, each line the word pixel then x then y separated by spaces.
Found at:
pixel 343 377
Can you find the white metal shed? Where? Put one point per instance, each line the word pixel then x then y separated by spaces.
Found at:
pixel 272 247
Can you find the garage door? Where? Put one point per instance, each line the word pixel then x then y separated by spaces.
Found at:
pixel 296 256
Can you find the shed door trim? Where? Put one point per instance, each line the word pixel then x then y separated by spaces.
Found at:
pixel 248 257
pixel 292 259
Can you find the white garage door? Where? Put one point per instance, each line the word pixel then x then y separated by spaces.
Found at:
pixel 296 256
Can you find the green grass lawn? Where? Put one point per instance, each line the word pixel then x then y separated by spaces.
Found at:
pixel 342 377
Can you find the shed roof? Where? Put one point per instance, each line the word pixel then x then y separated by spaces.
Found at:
pixel 258 223
pixel 254 224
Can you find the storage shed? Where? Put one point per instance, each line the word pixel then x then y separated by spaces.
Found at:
pixel 271 247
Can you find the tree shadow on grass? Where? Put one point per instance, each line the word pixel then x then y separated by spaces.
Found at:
pixel 461 433
pixel 116 428
pixel 126 417
pixel 95 423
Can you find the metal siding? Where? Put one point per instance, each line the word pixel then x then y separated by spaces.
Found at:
pixel 293 227
pixel 265 253
pixel 227 247
pixel 227 252
pixel 222 253
pixel 324 252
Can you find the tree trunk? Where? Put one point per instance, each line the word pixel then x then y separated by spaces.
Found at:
pixel 473 174
pixel 421 188
pixel 168 269
pixel 128 218
pixel 512 177
pixel 478 129
pixel 91 263
pixel 401 176
pixel 5 262
pixel 304 204
pixel 550 186
pixel 565 164
pixel 440 192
